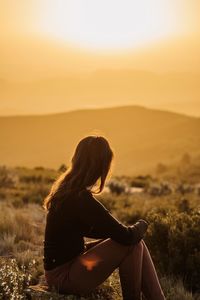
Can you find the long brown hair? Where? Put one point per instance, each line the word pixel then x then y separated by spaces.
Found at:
pixel 91 161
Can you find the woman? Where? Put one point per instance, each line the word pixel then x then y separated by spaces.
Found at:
pixel 73 212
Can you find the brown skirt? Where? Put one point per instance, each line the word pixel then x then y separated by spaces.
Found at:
pixel 58 276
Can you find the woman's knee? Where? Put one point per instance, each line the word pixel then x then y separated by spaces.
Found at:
pixel 137 247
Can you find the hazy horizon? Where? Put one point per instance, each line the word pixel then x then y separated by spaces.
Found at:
pixel 98 108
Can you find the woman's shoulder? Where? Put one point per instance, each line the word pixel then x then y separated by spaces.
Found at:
pixel 85 193
pixel 88 200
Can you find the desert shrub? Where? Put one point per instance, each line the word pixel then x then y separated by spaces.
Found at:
pixel 16 224
pixel 116 187
pixel 175 245
pixel 141 181
pixel 39 168
pixel 13 280
pixel 7 242
pixel 18 202
pixel 23 246
pixel 38 175
pixel 174 289
pixel 25 258
pixel 184 205
pixel 31 178
pixel 32 197
pixel 35 194
pixel 8 178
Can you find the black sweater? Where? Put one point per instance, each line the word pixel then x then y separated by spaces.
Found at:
pixel 79 217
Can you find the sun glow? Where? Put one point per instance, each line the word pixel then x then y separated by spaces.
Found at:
pixel 106 24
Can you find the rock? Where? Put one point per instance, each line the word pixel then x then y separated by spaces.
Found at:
pixel 42 292
pixel 37 292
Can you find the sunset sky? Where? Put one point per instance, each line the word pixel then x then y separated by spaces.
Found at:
pixel 59 55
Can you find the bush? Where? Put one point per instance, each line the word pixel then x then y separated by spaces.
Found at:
pixel 173 233
pixel 8 178
pixel 116 187
pixel 175 245
pixel 173 289
pixel 35 194
pixel 13 280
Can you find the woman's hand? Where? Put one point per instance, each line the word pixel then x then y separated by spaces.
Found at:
pixel 141 227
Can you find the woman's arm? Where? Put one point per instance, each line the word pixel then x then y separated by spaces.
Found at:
pixel 102 224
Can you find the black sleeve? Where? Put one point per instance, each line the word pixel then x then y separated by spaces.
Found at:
pixel 102 224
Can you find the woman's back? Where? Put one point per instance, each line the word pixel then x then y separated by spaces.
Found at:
pixel 63 232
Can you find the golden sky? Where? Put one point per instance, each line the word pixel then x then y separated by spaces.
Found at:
pixel 100 24
pixel 47 43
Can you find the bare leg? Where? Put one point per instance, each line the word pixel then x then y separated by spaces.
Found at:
pixel 151 287
pixel 93 267
pixel 130 272
pixel 137 273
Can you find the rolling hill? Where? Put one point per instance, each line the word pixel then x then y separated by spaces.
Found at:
pixel 174 91
pixel 140 137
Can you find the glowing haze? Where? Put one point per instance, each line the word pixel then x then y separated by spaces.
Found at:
pixel 109 24
pixel 58 55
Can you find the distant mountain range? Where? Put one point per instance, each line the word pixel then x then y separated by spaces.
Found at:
pixel 174 91
pixel 140 137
